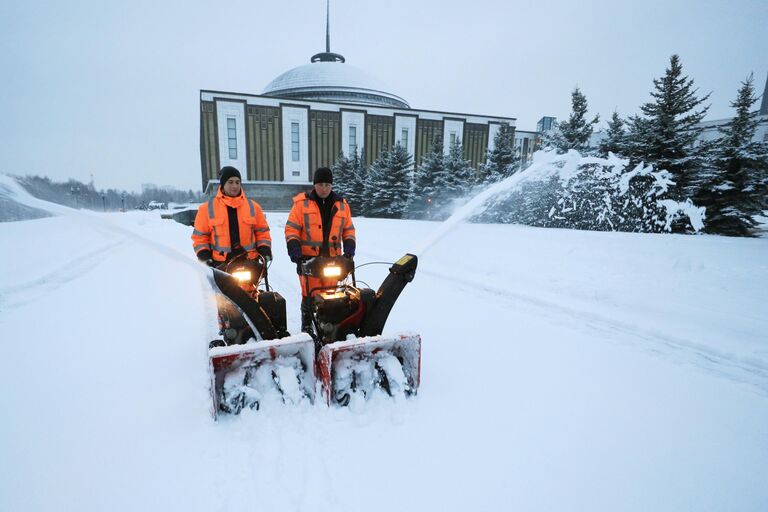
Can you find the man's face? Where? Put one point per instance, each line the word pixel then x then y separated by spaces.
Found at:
pixel 323 190
pixel 232 187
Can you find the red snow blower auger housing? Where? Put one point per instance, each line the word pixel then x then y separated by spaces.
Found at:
pixel 354 358
pixel 258 360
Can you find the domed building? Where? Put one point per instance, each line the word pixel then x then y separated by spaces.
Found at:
pixel 309 115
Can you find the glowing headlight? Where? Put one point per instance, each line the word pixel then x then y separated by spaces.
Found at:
pixel 332 272
pixel 242 275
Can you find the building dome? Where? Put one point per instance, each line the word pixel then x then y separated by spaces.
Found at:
pixel 333 80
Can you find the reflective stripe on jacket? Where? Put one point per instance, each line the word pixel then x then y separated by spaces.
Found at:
pixel 305 225
pixel 212 226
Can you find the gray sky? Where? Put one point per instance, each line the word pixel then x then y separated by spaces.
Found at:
pixel 112 89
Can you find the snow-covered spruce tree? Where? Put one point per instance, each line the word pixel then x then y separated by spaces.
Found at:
pixel 342 176
pixel 616 137
pixel 389 183
pixel 576 131
pixel 736 189
pixel 459 173
pixel 592 193
pixel 502 160
pixel 349 176
pixel 427 182
pixel 665 135
pixel 611 195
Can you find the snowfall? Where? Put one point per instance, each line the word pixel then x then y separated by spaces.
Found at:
pixel 561 370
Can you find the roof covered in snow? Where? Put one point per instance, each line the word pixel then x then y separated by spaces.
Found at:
pixel 333 81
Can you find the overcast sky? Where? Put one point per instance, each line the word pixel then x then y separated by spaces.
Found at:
pixel 111 89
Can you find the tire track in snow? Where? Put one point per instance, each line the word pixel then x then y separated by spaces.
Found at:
pixel 747 370
pixel 17 295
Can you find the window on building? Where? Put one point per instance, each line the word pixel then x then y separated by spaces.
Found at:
pixel 453 138
pixel 404 139
pixel 232 137
pixel 295 155
pixel 352 139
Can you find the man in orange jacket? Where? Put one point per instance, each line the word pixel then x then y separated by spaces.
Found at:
pixel 230 224
pixel 320 224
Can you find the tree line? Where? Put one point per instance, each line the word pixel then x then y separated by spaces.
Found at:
pixel 394 186
pixel 727 176
pixel 651 173
pixel 76 194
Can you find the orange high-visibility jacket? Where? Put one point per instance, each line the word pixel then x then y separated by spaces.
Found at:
pixel 306 225
pixel 212 226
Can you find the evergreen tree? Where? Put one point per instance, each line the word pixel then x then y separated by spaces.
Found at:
pixel 359 180
pixel 343 177
pixel 576 131
pixel 593 193
pixel 427 181
pixel 736 190
pixel 503 160
pixel 349 176
pixel 459 173
pixel 665 135
pixel 389 183
pixel 616 137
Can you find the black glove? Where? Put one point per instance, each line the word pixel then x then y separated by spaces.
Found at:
pixel 205 256
pixel 294 251
pixel 349 248
pixel 266 252
pixel 298 267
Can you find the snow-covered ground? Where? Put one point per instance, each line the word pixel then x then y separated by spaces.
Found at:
pixel 561 370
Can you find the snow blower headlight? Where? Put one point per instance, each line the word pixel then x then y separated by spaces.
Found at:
pixel 242 275
pixel 332 271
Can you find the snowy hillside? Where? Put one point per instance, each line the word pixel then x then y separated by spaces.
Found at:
pixel 562 370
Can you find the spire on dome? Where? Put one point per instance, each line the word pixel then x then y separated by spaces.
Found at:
pixel 327 55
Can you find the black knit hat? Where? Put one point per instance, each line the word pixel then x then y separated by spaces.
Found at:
pixel 226 173
pixel 323 175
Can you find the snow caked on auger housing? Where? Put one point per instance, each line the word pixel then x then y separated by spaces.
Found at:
pixel 258 361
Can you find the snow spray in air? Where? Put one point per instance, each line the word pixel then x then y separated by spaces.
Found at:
pixel 543 166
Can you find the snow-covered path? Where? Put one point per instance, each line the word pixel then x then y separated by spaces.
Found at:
pixel 561 371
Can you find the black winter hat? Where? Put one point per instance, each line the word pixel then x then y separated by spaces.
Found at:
pixel 323 175
pixel 226 173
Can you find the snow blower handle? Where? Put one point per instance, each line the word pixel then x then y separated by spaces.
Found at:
pixel 266 267
pixel 352 271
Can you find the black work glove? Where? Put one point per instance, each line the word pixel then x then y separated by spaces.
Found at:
pixel 266 252
pixel 298 267
pixel 349 248
pixel 205 256
pixel 294 251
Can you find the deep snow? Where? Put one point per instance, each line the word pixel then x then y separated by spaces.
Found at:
pixel 561 370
